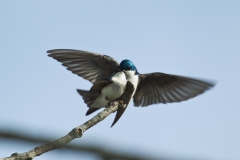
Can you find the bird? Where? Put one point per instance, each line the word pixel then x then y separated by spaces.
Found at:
pixel 110 80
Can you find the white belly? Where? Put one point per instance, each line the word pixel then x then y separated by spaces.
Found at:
pixel 112 91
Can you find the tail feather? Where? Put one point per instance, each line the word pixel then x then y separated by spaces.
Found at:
pixel 88 96
pixel 91 110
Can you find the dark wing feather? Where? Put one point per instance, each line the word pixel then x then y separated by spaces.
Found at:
pixel 125 98
pixel 165 88
pixel 90 66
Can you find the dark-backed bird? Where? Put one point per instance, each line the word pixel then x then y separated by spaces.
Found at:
pixel 110 79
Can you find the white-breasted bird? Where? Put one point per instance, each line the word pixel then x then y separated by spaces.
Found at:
pixel 109 79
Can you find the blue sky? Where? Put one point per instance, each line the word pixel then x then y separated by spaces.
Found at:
pixel 191 38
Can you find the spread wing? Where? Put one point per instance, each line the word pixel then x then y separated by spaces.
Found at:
pixel 165 88
pixel 90 66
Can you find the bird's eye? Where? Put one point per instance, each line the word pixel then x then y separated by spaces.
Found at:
pixel 128 67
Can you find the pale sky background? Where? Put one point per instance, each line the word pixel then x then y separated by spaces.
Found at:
pixel 193 38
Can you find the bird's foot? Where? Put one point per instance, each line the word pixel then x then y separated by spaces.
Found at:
pixel 119 101
pixel 121 104
pixel 110 103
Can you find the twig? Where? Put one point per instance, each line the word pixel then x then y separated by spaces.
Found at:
pixel 75 133
pixel 103 152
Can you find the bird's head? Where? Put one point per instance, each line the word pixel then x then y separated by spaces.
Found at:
pixel 127 65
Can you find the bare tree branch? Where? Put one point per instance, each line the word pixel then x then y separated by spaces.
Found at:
pixel 103 153
pixel 75 133
pixel 78 131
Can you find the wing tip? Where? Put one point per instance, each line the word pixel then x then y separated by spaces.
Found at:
pixel 68 50
pixel 210 85
pixel 53 51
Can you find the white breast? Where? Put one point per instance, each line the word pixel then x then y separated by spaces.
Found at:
pixel 117 88
pixel 119 77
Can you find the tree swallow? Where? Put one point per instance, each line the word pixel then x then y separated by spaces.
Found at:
pixel 110 79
